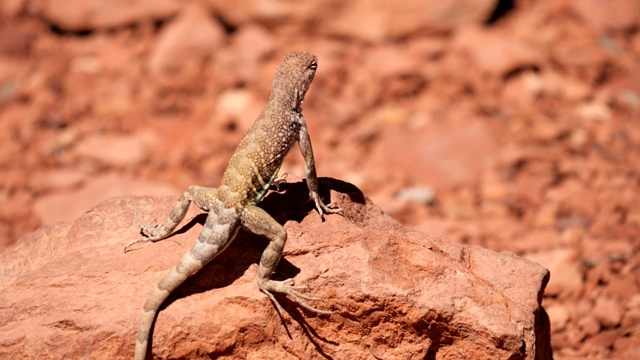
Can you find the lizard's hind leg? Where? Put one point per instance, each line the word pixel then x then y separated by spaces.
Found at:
pixel 199 195
pixel 260 222
pixel 213 239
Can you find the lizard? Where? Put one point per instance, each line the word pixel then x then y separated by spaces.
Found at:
pixel 234 204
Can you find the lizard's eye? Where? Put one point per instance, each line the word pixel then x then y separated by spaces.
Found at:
pixel 313 66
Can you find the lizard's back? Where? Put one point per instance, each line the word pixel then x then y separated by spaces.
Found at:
pixel 259 155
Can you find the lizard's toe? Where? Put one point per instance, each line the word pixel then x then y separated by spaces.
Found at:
pixel 270 286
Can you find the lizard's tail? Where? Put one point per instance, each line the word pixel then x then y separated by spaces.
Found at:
pixel 181 272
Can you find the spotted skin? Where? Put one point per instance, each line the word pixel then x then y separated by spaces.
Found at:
pixel 251 170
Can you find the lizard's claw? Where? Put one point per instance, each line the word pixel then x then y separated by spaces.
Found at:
pixel 134 242
pixel 332 208
pixel 278 181
pixel 146 229
pixel 151 231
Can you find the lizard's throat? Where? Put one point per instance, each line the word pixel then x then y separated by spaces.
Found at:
pixel 288 99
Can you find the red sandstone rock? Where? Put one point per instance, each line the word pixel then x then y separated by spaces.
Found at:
pixel 608 312
pixel 113 150
pixel 563 125
pixel 59 179
pixel 376 20
pixel 608 15
pixel 68 289
pixel 496 52
pixel 567 275
pixel 437 156
pixel 66 206
pixel 370 20
pixel 193 32
pixel 99 14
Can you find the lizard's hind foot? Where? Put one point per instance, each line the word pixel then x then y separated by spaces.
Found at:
pixel 322 208
pixel 270 286
pixel 150 230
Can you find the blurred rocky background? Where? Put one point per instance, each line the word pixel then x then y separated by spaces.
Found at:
pixel 508 124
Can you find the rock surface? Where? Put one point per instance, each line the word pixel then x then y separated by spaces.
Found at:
pixel 521 116
pixel 68 205
pixel 193 32
pixel 362 20
pixel 100 14
pixel 69 291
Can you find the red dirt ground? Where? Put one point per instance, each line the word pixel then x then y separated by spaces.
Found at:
pixel 515 129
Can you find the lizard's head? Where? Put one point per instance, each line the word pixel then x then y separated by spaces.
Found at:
pixel 294 75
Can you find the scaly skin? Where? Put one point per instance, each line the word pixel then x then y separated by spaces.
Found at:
pixel 251 170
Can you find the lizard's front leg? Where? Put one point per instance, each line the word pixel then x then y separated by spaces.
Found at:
pixel 199 195
pixel 260 222
pixel 310 173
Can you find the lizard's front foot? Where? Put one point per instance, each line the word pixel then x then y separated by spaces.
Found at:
pixel 151 231
pixel 281 179
pixel 270 286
